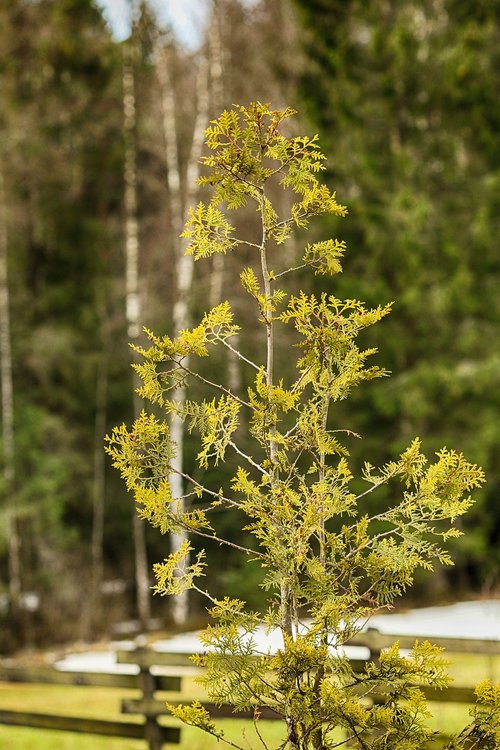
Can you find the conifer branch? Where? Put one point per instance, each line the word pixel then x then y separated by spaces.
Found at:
pixel 356 733
pixel 217 386
pixel 303 374
pixel 202 487
pixel 343 742
pixel 250 244
pixel 374 487
pixel 293 465
pixel 257 731
pixel 215 601
pixel 291 430
pixel 219 540
pixel 288 270
pixel 239 178
pixel 371 541
pixel 289 222
pixel 226 343
pixel 248 458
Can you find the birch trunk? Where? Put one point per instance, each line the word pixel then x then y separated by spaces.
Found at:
pixel 7 397
pixel 217 89
pixel 132 299
pixel 218 103
pixel 184 263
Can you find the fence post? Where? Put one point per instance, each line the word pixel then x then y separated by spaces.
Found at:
pixel 373 643
pixel 147 684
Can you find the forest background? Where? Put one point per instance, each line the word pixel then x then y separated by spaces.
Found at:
pixel 99 141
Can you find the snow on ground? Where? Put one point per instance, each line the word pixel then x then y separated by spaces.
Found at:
pixel 95 661
pixel 480 620
pixel 264 642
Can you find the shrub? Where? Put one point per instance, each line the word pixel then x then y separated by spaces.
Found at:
pixel 330 559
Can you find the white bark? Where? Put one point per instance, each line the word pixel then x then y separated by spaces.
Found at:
pixel 170 139
pixel 184 263
pixel 216 56
pixel 133 311
pixel 132 297
pixel 217 87
pixel 218 102
pixel 7 398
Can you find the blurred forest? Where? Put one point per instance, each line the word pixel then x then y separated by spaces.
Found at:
pixel 99 149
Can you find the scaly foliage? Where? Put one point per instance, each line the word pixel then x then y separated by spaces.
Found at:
pixel 330 560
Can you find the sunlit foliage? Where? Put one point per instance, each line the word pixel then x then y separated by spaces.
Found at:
pixel 330 560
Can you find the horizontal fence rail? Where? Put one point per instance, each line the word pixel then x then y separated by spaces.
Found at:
pixel 86 726
pixel 374 640
pixel 154 734
pixel 146 663
pixel 52 676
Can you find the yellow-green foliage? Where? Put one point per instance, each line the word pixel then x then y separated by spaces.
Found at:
pixel 330 559
pixel 484 730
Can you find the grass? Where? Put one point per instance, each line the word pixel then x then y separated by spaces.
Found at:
pixel 467 670
pixel 104 703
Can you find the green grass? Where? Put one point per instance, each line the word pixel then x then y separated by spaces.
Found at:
pixel 467 670
pixel 41 739
pixel 104 703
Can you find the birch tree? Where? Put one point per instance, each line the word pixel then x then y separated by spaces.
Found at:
pixel 219 101
pixel 132 292
pixel 183 263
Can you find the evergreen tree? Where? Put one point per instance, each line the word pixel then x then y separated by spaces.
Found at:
pixel 61 154
pixel 329 560
pixel 406 96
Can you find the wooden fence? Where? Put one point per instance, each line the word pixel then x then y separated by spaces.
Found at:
pixel 149 683
pixel 144 681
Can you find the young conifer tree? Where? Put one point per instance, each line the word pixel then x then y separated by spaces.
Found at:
pixel 330 560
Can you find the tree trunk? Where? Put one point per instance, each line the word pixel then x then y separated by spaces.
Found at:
pixel 217 90
pixel 132 298
pixel 7 397
pixel 91 613
pixel 218 102
pixel 184 263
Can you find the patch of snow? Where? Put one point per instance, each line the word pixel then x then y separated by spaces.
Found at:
pixel 264 643
pixel 480 620
pixel 95 661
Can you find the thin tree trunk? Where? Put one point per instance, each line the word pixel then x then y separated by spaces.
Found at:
pixel 99 484
pixel 132 297
pixel 93 608
pixel 286 602
pixel 184 263
pixel 7 397
pixel 215 56
pixel 217 90
pixel 218 102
